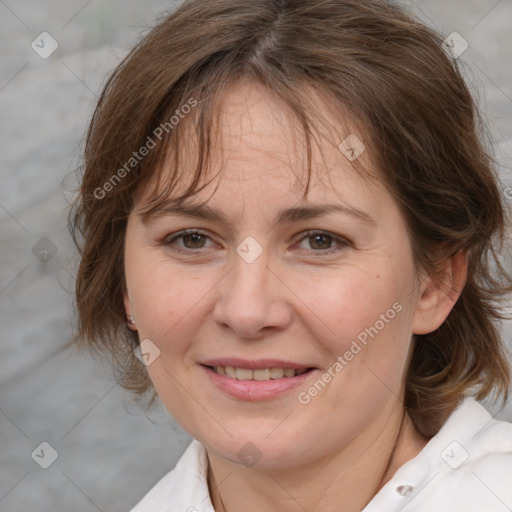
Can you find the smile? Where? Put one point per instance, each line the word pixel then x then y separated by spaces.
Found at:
pixel 256 384
pixel 260 374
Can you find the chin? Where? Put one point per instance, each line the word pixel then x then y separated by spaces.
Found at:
pixel 258 448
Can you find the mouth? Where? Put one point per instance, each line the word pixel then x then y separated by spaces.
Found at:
pixel 256 380
pixel 260 374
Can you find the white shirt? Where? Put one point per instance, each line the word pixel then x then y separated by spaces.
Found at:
pixel 466 467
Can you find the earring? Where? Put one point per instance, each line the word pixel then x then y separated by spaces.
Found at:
pixel 131 319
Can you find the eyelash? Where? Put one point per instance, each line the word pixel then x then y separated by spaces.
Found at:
pixel 171 239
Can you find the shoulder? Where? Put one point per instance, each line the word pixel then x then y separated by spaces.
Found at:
pixel 466 467
pixel 184 488
pixel 477 462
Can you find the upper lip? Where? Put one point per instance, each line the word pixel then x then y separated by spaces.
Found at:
pixel 255 364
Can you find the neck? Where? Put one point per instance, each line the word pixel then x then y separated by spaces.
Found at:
pixel 345 480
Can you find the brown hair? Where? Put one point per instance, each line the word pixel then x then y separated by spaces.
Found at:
pixel 419 122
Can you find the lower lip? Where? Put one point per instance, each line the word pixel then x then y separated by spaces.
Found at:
pixel 256 389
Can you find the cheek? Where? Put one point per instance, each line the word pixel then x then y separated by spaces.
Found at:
pixel 350 301
pixel 366 320
pixel 160 296
pixel 165 306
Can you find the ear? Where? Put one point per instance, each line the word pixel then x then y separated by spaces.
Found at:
pixel 439 294
pixel 128 310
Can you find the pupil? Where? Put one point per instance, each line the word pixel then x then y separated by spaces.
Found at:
pixel 195 237
pixel 316 237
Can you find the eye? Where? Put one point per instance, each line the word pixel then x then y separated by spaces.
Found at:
pixel 192 238
pixel 323 240
pixel 195 239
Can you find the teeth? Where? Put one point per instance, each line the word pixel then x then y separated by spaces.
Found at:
pixel 230 371
pixel 243 373
pixel 276 373
pixel 260 374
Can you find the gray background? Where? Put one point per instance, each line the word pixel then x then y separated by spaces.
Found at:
pixel 110 451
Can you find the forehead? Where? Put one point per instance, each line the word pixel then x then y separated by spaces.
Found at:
pixel 258 145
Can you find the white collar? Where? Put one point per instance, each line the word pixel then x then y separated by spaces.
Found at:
pixel 186 487
pixel 443 453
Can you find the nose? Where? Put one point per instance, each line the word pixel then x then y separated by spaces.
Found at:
pixel 253 299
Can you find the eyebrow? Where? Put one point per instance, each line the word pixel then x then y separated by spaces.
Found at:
pixel 285 216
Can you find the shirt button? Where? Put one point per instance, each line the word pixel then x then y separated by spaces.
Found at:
pixel 404 490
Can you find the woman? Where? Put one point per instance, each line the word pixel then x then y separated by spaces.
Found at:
pixel 290 228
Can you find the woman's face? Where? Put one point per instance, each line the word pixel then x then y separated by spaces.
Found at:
pixel 274 285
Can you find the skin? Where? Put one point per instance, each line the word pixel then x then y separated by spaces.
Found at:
pixel 293 302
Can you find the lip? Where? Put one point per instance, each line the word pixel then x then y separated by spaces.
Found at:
pixel 258 364
pixel 254 390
